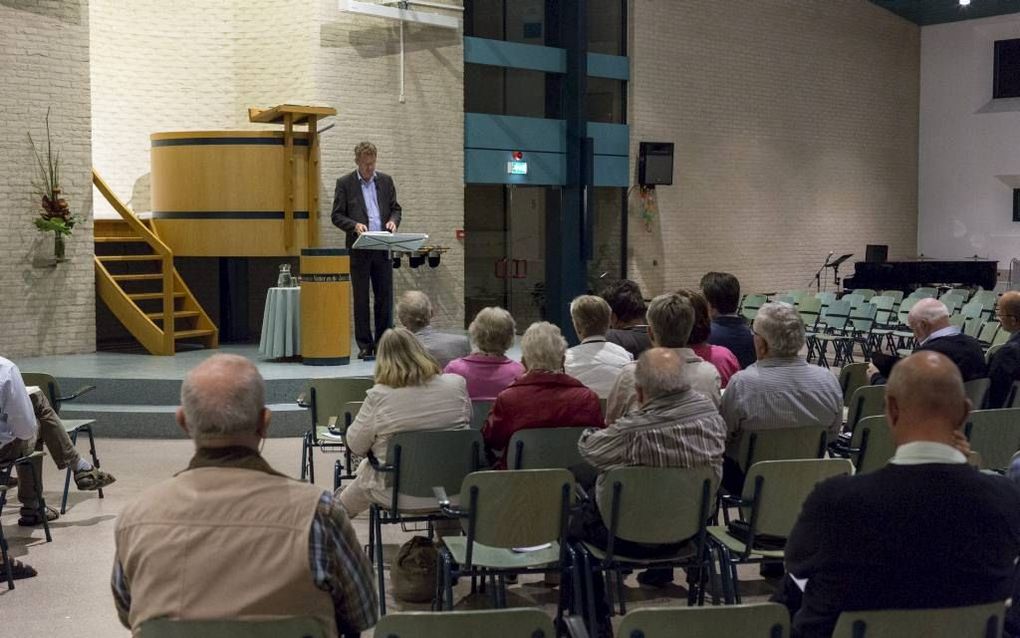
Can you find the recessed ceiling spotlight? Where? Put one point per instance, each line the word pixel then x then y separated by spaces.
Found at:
pixel 964 3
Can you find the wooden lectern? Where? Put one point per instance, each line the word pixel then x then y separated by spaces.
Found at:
pixel 290 115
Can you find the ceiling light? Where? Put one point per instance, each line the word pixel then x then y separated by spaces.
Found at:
pixel 964 3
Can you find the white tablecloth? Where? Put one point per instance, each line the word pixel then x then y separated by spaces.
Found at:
pixel 281 324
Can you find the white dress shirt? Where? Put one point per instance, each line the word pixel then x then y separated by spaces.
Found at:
pixel 17 419
pixel 597 363
pixel 921 452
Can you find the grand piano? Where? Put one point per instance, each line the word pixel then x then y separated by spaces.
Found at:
pixel 908 275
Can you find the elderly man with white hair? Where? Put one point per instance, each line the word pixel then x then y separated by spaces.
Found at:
pixel 229 537
pixel 780 390
pixel 594 362
pixel 929 321
pixel 543 397
pixel 414 312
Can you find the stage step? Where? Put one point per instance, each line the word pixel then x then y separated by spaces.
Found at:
pixel 191 334
pixel 129 257
pixel 159 421
pixel 179 314
pixel 148 296
pixel 118 239
pixel 155 276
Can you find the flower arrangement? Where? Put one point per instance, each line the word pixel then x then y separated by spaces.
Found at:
pixel 56 214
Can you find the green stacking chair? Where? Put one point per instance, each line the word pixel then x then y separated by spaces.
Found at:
pixel 977 392
pixel 516 523
pixel 851 377
pixel 479 413
pixel 836 318
pixel 29 463
pixel 897 295
pixel 774 493
pixel 780 444
pixel 297 627
pixel 886 320
pixel 73 427
pixel 865 293
pixel 978 621
pixel 995 435
pixel 487 623
pixel 989 330
pixel 750 305
pixel 343 468
pixel 416 464
pixel 760 620
pixel 867 400
pixel 325 400
pixel 809 309
pixel 544 448
pixel 655 506
pixel 871 445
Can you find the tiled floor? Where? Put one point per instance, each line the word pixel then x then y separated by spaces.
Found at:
pixel 71 594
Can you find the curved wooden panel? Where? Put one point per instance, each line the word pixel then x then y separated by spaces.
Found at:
pixel 325 306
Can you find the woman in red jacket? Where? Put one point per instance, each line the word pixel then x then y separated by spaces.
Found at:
pixel 544 397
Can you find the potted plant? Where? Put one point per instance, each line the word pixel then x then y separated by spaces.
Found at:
pixel 55 215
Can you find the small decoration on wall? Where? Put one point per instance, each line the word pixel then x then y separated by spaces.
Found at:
pixel 647 205
pixel 56 214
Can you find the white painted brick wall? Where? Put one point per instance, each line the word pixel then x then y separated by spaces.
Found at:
pixel 44 62
pixel 795 126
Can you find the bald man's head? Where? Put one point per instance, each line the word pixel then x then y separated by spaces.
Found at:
pixel 659 372
pixel 925 399
pixel 1009 311
pixel 927 316
pixel 223 401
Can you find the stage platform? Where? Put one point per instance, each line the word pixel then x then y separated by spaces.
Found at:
pixel 136 395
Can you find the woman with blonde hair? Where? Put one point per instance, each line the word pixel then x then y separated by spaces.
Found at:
pixel 487 369
pixel 410 394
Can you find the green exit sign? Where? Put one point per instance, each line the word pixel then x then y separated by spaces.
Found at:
pixel 517 167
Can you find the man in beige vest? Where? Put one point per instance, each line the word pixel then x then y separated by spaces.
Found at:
pixel 231 538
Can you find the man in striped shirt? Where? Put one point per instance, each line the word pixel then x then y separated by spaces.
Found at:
pixel 673 427
pixel 780 390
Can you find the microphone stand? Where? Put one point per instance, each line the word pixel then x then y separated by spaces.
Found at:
pixel 818 275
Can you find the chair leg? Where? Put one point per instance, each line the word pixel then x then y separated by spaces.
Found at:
pixel 93 453
pixel 67 476
pixel 620 591
pixel 37 474
pixel 311 458
pixel 379 563
pixel 7 560
pixel 304 456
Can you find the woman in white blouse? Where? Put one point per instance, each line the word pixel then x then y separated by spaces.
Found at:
pixel 410 394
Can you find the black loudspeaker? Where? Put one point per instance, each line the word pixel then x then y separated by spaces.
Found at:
pixel 876 253
pixel 1016 204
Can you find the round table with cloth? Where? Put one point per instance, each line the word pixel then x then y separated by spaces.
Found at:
pixel 281 324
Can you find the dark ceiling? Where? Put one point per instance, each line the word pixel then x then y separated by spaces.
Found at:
pixel 925 12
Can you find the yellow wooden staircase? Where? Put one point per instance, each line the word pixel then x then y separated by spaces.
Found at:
pixel 136 279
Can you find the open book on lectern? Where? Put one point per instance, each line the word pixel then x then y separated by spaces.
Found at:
pixel 383 240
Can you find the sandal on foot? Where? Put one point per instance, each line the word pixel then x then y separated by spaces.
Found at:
pixel 19 570
pixel 31 518
pixel 94 479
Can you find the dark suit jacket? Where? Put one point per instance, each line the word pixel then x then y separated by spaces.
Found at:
pixel 904 537
pixel 962 350
pixel 349 204
pixel 733 333
pixel 1003 370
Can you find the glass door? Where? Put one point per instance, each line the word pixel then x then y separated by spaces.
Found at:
pixel 504 249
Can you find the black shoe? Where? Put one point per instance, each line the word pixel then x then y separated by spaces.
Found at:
pixel 656 577
pixel 771 569
pixel 366 354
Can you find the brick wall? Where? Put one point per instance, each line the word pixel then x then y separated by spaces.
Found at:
pixel 795 126
pixel 44 62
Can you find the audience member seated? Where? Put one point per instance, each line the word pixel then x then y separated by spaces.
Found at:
pixel 672 427
pixel 544 397
pixel 670 319
pixel 594 362
pixel 410 394
pixel 200 546
pixel 719 356
pixel 17 439
pixel 1004 367
pixel 929 321
pixel 627 321
pixel 926 531
pixel 488 370
pixel 780 390
pixel 414 311
pixel 49 431
pixel 729 329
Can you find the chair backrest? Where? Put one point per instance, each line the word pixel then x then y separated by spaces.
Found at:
pixel 972 309
pixel 897 295
pixel 809 308
pixel 785 299
pixel 750 305
pixel 540 448
pixel 656 505
pixel 862 316
pixel 781 488
pixel 978 621
pixel 491 623
pixel 991 352
pixel 952 303
pixel 874 440
pixel 883 309
pixel 49 386
pixel 867 400
pixel 972 327
pixel 924 291
pixel 1013 397
pixel 516 508
pixel 479 412
pixel 805 442
pixel 349 412
pixel 988 298
pixel 865 293
pixel 995 435
pixel 327 397
pixel 977 391
pixel 760 620
pixel 298 627
pixel 905 307
pixel 957 321
pixel 423 460
pixel 1001 337
pixel 837 314
pixel 826 298
pixel 854 299
pixel 851 377
pixel 798 295
pixel 988 331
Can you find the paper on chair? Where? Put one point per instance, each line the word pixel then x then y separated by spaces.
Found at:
pixel 534 548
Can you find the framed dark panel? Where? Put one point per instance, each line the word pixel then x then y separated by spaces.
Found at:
pixel 1006 79
pixel 1016 204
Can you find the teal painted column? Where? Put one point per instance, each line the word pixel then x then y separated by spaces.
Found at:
pixel 566 265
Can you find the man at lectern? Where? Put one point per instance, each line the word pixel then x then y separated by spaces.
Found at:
pixel 366 200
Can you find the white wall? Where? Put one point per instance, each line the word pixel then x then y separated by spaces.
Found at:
pixel 965 144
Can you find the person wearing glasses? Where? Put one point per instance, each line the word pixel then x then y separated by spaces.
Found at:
pixel 1004 366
